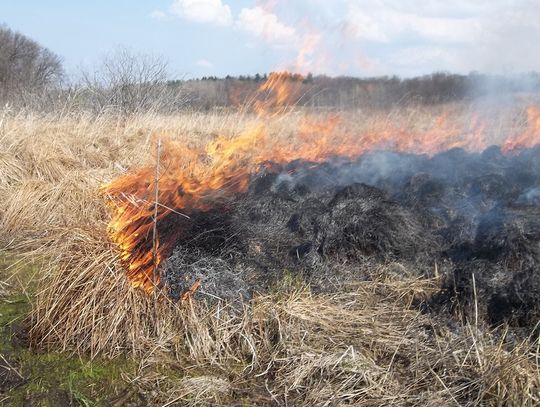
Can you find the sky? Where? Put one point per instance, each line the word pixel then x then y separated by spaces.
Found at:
pixel 334 37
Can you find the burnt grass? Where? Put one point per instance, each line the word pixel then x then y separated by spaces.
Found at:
pixel 473 218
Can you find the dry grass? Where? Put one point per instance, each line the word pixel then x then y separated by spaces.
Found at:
pixel 366 345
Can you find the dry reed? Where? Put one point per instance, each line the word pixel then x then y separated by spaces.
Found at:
pixel 366 345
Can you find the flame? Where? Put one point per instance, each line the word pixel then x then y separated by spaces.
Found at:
pixel 529 137
pixel 191 179
pixel 284 91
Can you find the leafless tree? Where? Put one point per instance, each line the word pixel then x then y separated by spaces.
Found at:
pixel 26 68
pixel 130 82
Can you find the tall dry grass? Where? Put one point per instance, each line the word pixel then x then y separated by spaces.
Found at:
pixel 365 345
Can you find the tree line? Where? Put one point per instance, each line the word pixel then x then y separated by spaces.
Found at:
pixel 350 92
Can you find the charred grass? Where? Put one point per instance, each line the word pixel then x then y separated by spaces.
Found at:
pixel 367 343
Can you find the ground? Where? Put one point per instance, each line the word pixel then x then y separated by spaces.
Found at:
pixel 35 377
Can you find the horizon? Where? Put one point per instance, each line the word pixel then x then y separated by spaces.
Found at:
pixel 351 38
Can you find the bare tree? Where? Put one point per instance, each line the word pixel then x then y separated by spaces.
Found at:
pixel 130 82
pixel 26 68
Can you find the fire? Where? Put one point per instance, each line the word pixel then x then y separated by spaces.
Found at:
pixel 528 138
pixel 284 91
pixel 189 179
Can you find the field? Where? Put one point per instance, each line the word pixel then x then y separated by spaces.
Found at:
pixel 75 330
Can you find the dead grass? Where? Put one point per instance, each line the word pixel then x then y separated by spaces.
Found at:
pixel 366 345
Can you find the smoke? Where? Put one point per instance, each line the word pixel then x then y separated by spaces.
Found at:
pixel 450 185
pixel 470 213
pixel 530 197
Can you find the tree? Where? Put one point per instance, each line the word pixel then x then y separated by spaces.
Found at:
pixel 26 67
pixel 132 82
pixel 308 78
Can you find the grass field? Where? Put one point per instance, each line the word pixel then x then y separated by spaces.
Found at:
pixel 74 329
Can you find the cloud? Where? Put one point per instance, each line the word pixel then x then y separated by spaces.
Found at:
pixel 360 24
pixel 203 11
pixel 265 25
pixel 386 22
pixel 159 15
pixel 510 41
pixel 414 37
pixel 204 63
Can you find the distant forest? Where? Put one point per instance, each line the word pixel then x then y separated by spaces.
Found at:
pixel 351 92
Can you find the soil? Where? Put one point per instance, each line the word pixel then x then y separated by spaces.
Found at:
pixel 55 397
pixel 10 378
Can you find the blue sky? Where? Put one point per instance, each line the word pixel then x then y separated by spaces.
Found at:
pixel 354 37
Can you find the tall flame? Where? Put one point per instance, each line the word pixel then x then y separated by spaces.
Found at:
pixel 194 179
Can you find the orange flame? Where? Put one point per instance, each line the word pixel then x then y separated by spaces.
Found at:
pixel 284 90
pixel 194 179
pixel 527 138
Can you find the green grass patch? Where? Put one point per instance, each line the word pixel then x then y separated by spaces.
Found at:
pixel 86 382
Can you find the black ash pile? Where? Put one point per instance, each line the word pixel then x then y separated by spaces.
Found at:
pixel 474 217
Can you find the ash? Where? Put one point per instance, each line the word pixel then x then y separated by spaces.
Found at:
pixel 474 216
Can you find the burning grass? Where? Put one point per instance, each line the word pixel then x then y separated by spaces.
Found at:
pixel 363 342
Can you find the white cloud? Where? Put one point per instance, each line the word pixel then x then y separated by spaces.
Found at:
pixel 159 15
pixel 363 26
pixel 203 11
pixel 265 25
pixel 385 22
pixel 413 37
pixel 204 63
pixel 441 29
